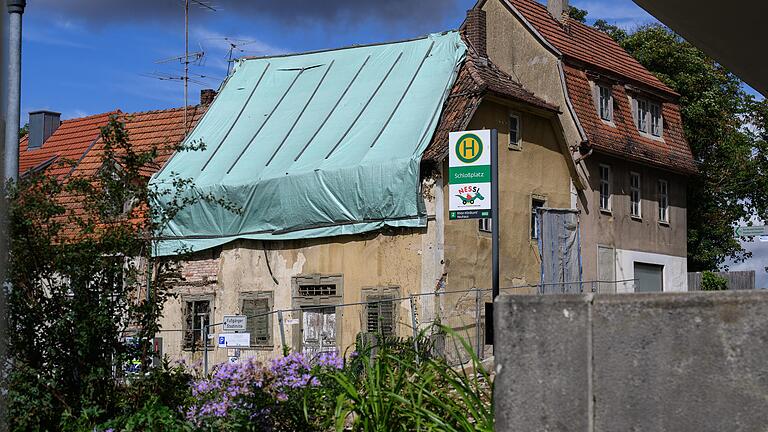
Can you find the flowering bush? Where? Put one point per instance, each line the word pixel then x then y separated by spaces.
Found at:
pixel 249 395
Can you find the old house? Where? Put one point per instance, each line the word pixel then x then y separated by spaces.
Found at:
pixel 623 128
pixel 337 160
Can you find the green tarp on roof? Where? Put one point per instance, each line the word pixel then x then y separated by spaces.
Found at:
pixel 314 145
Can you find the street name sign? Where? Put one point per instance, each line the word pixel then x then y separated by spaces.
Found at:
pixel 234 323
pixel 469 174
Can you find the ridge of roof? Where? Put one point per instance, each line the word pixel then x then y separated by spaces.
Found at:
pixel 583 43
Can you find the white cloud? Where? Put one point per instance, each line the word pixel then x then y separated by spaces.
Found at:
pixel 217 47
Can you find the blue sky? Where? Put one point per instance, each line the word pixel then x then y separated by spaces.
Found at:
pixel 83 57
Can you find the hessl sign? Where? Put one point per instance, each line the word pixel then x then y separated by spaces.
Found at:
pixel 469 174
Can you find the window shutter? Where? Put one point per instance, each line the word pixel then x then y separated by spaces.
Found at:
pixel 258 326
pixel 380 314
pixel 634 113
pixel 596 96
pixel 610 105
pixel 189 323
pixel 661 119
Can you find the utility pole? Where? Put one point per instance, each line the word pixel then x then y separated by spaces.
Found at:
pixel 15 10
pixel 186 61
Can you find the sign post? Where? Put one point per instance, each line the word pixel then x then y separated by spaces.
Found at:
pixel 473 169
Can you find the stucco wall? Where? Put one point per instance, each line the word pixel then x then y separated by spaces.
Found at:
pixel 675 274
pixel 381 259
pixel 539 168
pixel 622 231
pixel 517 51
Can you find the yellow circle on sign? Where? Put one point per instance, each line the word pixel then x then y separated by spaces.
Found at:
pixel 469 148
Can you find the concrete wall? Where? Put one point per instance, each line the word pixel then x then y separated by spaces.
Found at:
pixel 538 169
pixel 632 362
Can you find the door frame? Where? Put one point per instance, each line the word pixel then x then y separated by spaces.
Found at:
pixel 300 301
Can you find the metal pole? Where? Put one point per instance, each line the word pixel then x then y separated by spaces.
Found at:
pixel 415 325
pixel 186 61
pixel 204 331
pixel 495 210
pixel 478 322
pixel 281 324
pixel 15 10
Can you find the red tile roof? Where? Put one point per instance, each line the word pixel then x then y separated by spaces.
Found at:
pixel 623 139
pixel 583 43
pixel 477 77
pixel 68 143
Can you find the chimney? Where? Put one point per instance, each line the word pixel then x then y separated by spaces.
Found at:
pixel 42 124
pixel 206 96
pixel 558 9
pixel 475 31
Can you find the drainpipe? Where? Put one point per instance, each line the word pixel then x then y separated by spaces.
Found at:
pixel 15 10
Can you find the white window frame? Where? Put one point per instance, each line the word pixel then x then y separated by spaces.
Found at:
pixel 635 195
pixel 484 225
pixel 655 124
pixel 517 143
pixel 605 188
pixel 641 115
pixel 663 201
pixel 605 104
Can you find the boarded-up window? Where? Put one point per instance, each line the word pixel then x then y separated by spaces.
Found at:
pixel 606 269
pixel 197 314
pixel 258 309
pixel 381 310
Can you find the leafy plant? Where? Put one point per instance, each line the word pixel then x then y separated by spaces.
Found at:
pixel 713 282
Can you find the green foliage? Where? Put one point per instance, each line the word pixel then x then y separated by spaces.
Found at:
pixel 83 278
pixel 713 282
pixel 615 32
pixel 393 387
pixel 577 14
pixel 726 129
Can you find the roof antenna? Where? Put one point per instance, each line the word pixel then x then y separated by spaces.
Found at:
pixel 234 46
pixel 204 5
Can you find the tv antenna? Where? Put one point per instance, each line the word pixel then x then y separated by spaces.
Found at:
pixel 204 5
pixel 234 46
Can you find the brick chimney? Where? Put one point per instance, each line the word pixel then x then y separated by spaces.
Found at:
pixel 558 9
pixel 475 31
pixel 42 124
pixel 207 96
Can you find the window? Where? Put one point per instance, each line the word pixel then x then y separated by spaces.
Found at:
pixel 515 139
pixel 605 187
pixel 197 314
pixel 536 204
pixel 663 201
pixel 381 310
pixel 605 101
pixel 634 195
pixel 484 225
pixel 641 115
pixel 315 289
pixel 648 118
pixel 257 306
pixel 655 119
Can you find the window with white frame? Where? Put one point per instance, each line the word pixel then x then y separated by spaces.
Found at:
pixel 641 115
pixel 663 201
pixel 605 103
pixel 515 137
pixel 484 225
pixel 655 119
pixel 536 204
pixel 605 187
pixel 635 196
pixel 648 117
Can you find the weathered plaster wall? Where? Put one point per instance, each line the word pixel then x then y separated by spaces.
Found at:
pixel 623 231
pixel 539 168
pixel 517 51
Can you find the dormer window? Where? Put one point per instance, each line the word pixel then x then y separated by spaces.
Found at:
pixel 605 103
pixel 648 117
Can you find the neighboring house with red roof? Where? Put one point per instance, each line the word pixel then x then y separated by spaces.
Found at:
pixel 624 130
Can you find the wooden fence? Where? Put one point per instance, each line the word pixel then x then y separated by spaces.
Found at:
pixel 737 280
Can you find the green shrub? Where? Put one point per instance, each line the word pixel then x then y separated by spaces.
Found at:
pixel 713 282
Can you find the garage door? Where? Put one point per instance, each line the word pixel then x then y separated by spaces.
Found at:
pixel 649 277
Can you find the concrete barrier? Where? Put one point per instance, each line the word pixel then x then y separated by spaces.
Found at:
pixel 632 362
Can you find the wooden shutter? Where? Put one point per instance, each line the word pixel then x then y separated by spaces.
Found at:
pixel 380 314
pixel 634 113
pixel 189 323
pixel 258 326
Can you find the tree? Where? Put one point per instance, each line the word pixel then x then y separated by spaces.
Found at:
pixel 83 278
pixel 726 129
pixel 579 15
pixel 615 32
